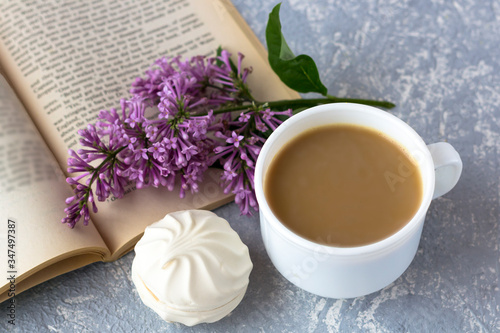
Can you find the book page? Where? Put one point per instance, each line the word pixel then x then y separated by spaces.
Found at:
pixel 32 193
pixel 69 60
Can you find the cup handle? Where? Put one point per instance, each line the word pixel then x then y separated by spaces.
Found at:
pixel 447 165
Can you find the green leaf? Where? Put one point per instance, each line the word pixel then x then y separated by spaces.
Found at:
pixel 218 52
pixel 297 72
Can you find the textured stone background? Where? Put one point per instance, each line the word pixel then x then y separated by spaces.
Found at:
pixel 439 62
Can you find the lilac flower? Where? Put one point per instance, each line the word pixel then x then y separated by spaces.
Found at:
pixel 103 144
pixel 244 117
pixel 269 117
pixel 233 81
pixel 238 160
pixel 235 139
pixel 78 206
pixel 245 198
pixel 124 146
pixel 243 139
pixel 77 163
pixel 149 86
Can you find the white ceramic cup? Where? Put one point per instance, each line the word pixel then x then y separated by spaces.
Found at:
pixel 346 272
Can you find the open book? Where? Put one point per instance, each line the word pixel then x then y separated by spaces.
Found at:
pixel 60 63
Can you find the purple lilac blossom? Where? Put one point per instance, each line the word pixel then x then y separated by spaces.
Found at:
pixel 240 153
pixel 126 146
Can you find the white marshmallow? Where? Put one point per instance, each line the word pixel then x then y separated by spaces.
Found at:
pixel 191 267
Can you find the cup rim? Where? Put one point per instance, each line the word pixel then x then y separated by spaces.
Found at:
pixel 382 245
